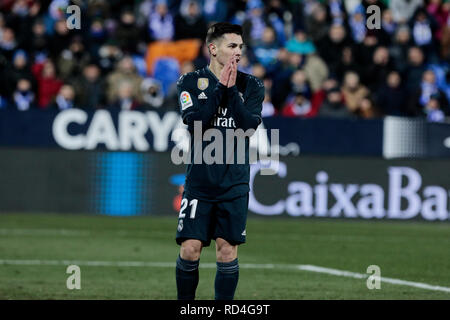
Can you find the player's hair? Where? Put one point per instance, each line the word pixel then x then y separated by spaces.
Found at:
pixel 217 30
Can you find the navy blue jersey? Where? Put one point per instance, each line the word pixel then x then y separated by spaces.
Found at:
pixel 203 98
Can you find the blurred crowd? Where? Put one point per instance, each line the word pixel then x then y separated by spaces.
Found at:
pixel 316 57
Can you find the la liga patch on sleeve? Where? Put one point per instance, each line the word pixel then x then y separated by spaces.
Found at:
pixel 185 100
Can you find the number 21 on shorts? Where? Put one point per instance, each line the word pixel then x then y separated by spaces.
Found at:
pixel 184 204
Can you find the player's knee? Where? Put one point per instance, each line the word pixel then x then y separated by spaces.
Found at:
pixel 191 249
pixel 225 252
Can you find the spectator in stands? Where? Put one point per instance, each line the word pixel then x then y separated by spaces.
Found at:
pixel 126 98
pixel 152 94
pixel 348 63
pixel 301 11
pixel 315 69
pixel 266 49
pixel 60 39
pixel 367 108
pixel 23 96
pixel 215 10
pixel 258 71
pixel 403 10
pixel 387 23
pixel 254 23
pixel 202 59
pixel 100 8
pixel 125 72
pixel 333 106
pixel 366 49
pixel 337 12
pixel 415 68
pixel 353 91
pixel 287 63
pixel 23 12
pixel 316 23
pixel 421 96
pixel 400 47
pixel 300 43
pixel 128 36
pixel 8 44
pixel 73 59
pixel 391 96
pixel 330 47
pixel 48 82
pixel 276 7
pixel 268 83
pixel 423 27
pixel 320 95
pixel 300 83
pixel 65 98
pixel 109 56
pixel 39 42
pixel 297 105
pixel 376 73
pixel 445 37
pixel 90 88
pixel 440 12
pixel 160 23
pixel 96 37
pixel 357 22
pixel 189 22
pixel 268 110
pixel 20 69
pixel 351 5
pixel 433 109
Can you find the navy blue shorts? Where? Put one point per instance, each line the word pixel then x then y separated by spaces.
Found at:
pixel 203 220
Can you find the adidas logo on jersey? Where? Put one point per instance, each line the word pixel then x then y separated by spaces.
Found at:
pixel 202 96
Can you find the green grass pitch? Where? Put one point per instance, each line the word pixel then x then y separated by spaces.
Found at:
pixel 408 250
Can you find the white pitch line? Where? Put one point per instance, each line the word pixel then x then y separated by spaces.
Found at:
pixel 42 232
pixel 383 279
pixel 302 267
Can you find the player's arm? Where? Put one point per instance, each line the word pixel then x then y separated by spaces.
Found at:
pixel 247 115
pixel 190 107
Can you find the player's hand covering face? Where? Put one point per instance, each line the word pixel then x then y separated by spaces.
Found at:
pixel 229 72
pixel 228 53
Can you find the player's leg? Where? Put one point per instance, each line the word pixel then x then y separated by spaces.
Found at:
pixel 231 218
pixel 186 270
pixel 193 233
pixel 227 274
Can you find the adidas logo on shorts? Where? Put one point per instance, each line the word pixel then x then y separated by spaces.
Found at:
pixel 243 233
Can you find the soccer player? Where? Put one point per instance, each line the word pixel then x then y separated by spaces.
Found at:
pixel 215 198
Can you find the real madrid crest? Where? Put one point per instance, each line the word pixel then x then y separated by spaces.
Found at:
pixel 202 83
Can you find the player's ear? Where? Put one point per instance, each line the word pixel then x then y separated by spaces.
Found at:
pixel 212 49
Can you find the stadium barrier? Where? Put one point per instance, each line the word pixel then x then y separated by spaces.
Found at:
pixel 138 183
pixel 115 130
